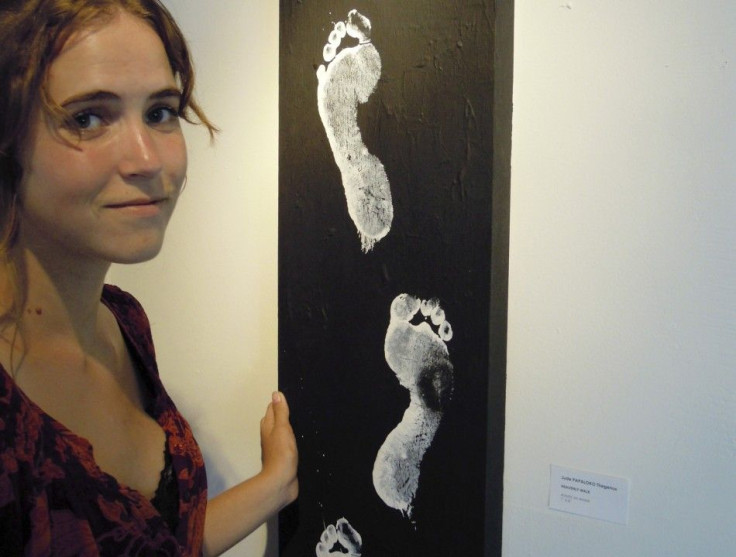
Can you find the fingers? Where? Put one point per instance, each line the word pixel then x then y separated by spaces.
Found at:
pixel 277 412
pixel 279 453
pixel 280 407
pixel 267 420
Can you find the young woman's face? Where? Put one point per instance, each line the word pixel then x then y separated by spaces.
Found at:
pixel 104 189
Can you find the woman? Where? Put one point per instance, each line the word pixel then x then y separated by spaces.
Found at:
pixel 94 457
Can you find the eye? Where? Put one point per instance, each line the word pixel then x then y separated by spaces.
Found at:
pixel 163 114
pixel 88 121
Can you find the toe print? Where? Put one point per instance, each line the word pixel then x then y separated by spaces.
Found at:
pixel 333 42
pixel 349 78
pixel 340 539
pixel 416 352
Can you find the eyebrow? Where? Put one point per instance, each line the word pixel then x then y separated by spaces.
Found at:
pixel 167 93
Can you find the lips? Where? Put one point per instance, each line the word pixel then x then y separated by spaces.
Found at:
pixel 137 209
pixel 147 202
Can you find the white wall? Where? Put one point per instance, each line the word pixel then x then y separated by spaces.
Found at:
pixel 622 310
pixel 211 293
pixel 622 303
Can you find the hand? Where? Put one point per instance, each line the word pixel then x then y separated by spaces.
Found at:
pixel 279 454
pixel 238 511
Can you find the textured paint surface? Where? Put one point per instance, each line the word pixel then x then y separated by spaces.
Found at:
pixel 429 122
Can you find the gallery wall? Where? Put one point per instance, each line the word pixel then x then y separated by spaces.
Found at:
pixel 622 304
pixel 622 296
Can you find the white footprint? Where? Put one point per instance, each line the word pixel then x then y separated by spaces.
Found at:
pixel 341 539
pixel 418 356
pixel 348 79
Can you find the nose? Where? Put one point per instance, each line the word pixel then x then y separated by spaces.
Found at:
pixel 139 152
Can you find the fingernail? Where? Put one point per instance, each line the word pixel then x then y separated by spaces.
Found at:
pixel 276 397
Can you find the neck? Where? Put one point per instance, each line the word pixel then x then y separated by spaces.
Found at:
pixel 59 299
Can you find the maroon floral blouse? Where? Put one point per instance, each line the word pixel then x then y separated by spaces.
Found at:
pixel 55 500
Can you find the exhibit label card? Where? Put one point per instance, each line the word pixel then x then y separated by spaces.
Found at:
pixel 586 494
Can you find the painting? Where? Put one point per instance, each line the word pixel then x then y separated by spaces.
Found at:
pixel 393 231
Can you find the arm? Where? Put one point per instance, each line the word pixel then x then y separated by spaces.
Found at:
pixel 237 512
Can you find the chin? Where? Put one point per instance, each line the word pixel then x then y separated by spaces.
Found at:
pixel 139 255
